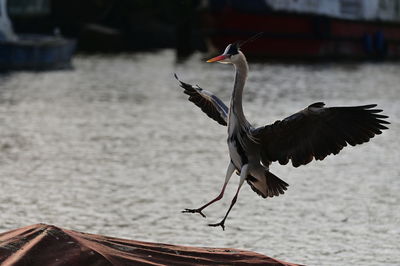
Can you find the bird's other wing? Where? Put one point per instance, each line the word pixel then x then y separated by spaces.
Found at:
pixel 208 102
pixel 316 132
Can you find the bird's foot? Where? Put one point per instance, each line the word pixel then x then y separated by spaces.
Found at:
pixel 194 211
pixel 222 224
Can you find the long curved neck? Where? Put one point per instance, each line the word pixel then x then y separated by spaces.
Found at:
pixel 236 106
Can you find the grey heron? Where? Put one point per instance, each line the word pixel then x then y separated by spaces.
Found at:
pixel 312 133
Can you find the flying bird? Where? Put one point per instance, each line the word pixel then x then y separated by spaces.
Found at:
pixel 312 133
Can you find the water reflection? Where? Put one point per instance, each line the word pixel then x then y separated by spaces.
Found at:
pixel 115 148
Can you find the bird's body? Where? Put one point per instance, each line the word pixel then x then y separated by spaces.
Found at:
pixel 314 132
pixel 243 148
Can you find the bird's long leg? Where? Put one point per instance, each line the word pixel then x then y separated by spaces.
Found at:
pixel 243 175
pixel 229 173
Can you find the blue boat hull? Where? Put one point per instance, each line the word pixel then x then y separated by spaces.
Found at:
pixel 36 52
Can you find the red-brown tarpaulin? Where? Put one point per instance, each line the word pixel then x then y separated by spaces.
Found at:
pixel 44 245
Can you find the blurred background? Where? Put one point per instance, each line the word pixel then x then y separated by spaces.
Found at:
pixel 293 29
pixel 109 144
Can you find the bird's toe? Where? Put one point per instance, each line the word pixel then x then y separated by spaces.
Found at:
pixel 222 224
pixel 194 211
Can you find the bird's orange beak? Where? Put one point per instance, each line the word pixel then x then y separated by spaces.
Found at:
pixel 217 58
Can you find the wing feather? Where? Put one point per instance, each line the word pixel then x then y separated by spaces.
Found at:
pixel 210 104
pixel 317 132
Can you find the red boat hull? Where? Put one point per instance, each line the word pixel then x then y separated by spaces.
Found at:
pixel 304 36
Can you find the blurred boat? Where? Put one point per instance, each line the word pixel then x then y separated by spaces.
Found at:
pixel 32 51
pixel 301 29
pixel 36 52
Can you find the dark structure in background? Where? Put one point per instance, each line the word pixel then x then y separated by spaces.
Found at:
pixel 116 25
pixel 293 29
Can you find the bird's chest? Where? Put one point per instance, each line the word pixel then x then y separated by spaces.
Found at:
pixel 236 150
pixel 237 157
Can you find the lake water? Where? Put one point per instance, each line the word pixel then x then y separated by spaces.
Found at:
pixel 114 147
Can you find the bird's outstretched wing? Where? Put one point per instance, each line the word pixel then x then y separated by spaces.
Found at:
pixel 316 132
pixel 208 102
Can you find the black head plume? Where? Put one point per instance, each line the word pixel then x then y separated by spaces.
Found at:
pixel 252 38
pixel 233 48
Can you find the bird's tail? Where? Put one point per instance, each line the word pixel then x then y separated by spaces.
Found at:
pixel 269 187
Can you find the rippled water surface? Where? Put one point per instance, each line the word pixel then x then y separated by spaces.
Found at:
pixel 113 147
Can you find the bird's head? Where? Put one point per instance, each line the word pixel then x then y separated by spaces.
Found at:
pixel 232 53
pixel 229 56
